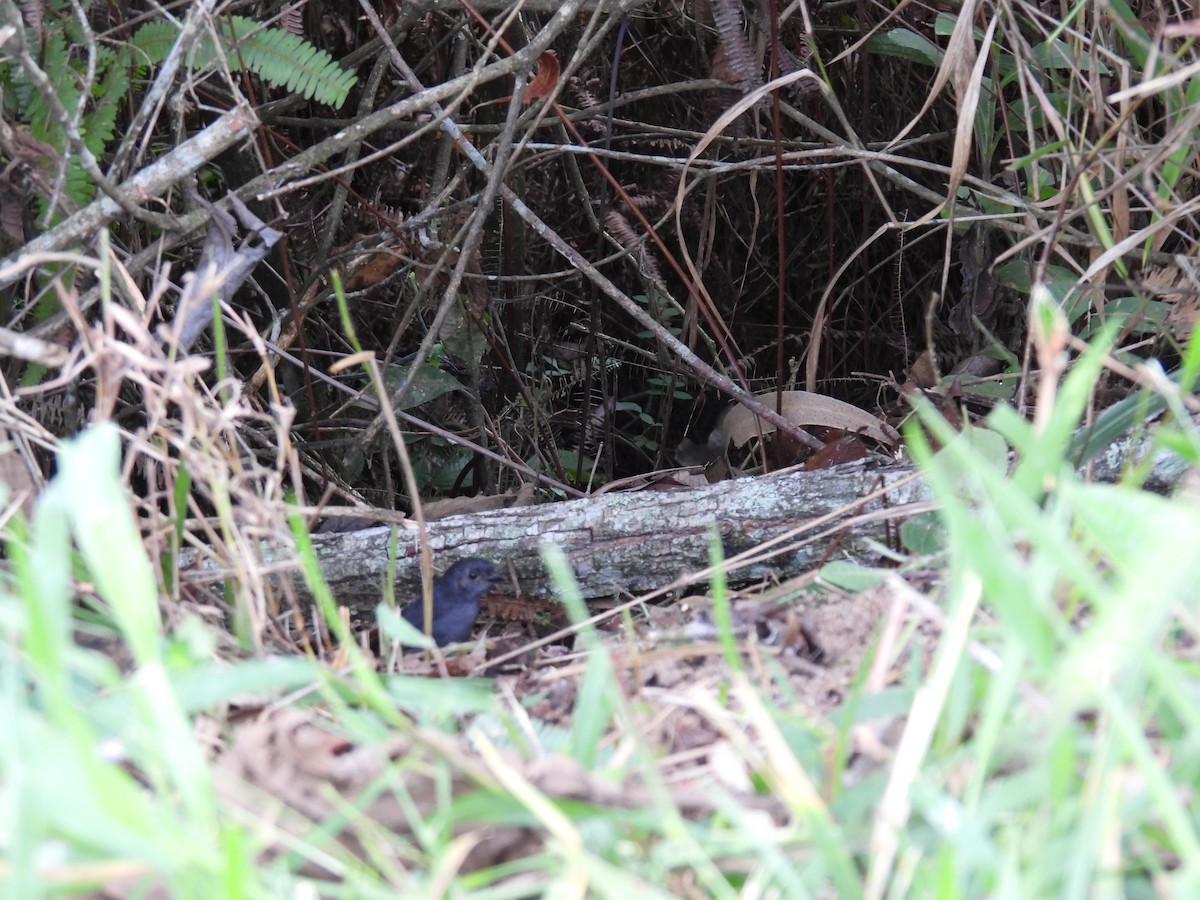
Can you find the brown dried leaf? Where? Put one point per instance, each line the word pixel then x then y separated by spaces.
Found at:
pixel 721 69
pixel 24 149
pixel 34 13
pixel 661 480
pixel 546 79
pixel 727 16
pixel 1172 287
pixel 314 772
pixel 363 272
pixel 463 506
pixel 977 365
pixel 806 408
pixel 28 161
pixel 523 608
pixel 630 240
pixel 15 474
pixel 968 83
pixel 847 448
pixel 290 758
pixel 12 210
pixel 291 18
pixel 923 373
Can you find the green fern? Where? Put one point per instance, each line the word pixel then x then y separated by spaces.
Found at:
pixel 114 84
pixel 278 56
pixel 56 63
pixel 153 41
pixel 284 59
pixel 32 107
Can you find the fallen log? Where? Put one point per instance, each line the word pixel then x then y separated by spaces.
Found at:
pixel 638 541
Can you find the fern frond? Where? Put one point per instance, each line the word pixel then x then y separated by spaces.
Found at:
pixel 154 40
pixel 99 123
pixel 291 18
pixel 284 59
pixel 56 63
pixel 727 16
pixel 278 56
pixel 34 14
pixel 79 187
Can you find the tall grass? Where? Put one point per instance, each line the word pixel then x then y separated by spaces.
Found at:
pixel 1045 748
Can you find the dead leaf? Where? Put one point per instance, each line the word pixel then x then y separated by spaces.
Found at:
pixel 314 773
pixel 294 760
pixel 29 163
pixel 661 480
pixel 721 68
pixel 367 270
pixel 806 408
pixel 463 506
pixel 1171 287
pixel 546 80
pixel 923 373
pixel 12 210
pixel 223 267
pixel 977 365
pixel 845 448
pixel 15 474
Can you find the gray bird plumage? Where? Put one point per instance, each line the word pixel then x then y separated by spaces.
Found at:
pixel 456 597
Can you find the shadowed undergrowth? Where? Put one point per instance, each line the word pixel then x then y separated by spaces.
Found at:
pixel 995 207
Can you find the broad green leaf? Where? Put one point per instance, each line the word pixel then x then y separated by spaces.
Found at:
pixel 905 44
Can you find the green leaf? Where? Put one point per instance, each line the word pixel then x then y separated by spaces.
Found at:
pixel 154 40
pixel 850 576
pixel 923 534
pixel 89 483
pixel 429 384
pixel 436 699
pixel 1141 316
pixel 1058 55
pixel 394 627
pixel 278 56
pixel 283 58
pixel 1059 281
pixel 905 44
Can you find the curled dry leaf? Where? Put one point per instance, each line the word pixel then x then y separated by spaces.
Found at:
pixel 621 229
pixel 369 268
pixel 1182 300
pixel 223 267
pixel 662 480
pixel 923 374
pixel 806 408
pixel 545 80
pixel 738 57
pixel 27 160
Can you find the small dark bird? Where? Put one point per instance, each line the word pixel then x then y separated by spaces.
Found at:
pixel 456 598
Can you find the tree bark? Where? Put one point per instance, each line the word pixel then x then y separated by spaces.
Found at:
pixel 635 541
pixel 638 541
